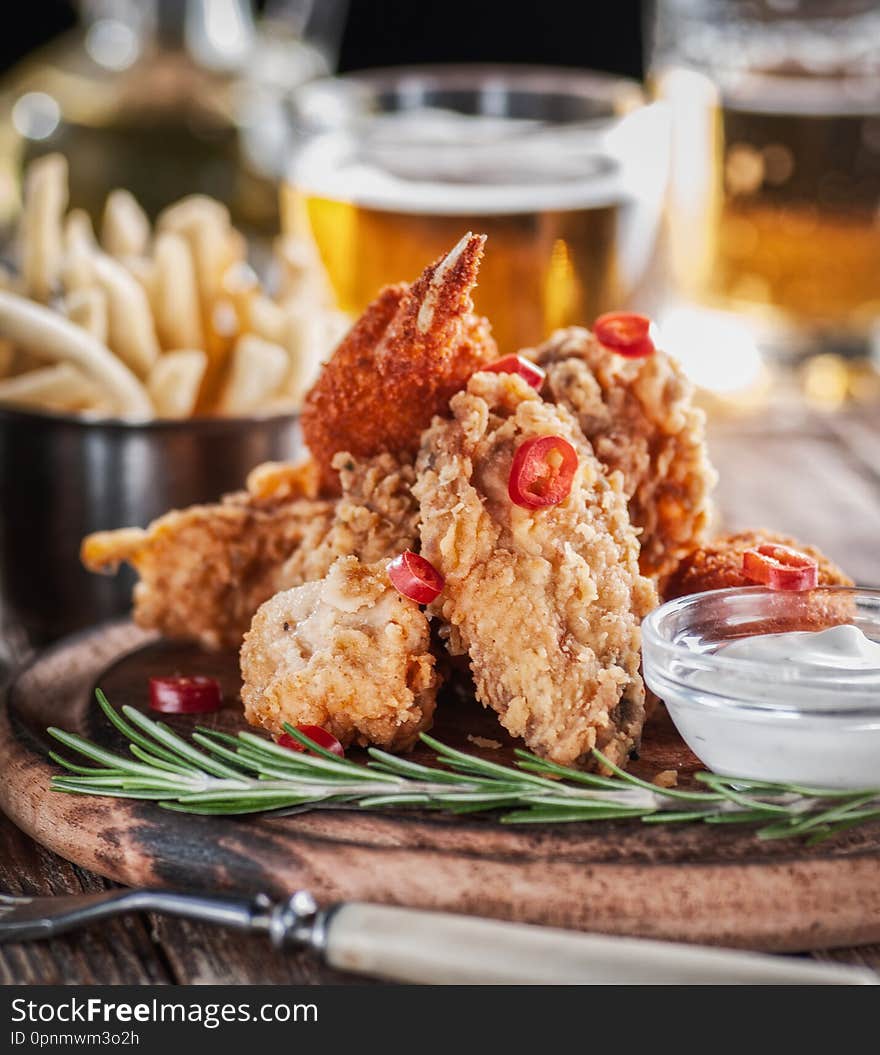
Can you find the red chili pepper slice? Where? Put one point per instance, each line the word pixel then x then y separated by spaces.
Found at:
pixel 625 333
pixel 415 577
pixel 780 568
pixel 518 364
pixel 185 695
pixel 542 472
pixel 314 732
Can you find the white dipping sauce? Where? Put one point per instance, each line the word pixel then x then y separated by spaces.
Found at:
pixel 782 725
pixel 839 647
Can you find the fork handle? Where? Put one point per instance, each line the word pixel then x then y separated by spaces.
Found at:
pixel 438 948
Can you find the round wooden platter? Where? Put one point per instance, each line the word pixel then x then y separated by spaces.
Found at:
pixel 701 883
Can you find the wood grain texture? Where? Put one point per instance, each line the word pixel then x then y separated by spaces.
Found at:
pixel 120 952
pixel 201 955
pixel 818 477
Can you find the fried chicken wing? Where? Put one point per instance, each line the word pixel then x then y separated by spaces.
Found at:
pixel 410 351
pixel 718 565
pixel 639 416
pixel 348 653
pixel 205 570
pixel 546 602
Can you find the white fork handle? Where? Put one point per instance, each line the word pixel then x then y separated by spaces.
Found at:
pixel 437 948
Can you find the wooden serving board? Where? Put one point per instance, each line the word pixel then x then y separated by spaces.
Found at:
pixel 689 882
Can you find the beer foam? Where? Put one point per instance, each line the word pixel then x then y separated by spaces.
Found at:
pixel 437 162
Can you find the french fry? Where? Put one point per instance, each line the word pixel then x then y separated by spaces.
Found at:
pixel 175 380
pixel 58 387
pixel 237 247
pixel 125 229
pixel 257 370
pixel 78 231
pixel 239 285
pixel 176 305
pixel 302 338
pixel 87 307
pixel 179 322
pixel 45 333
pixel 193 209
pixel 301 273
pixel 131 334
pixel 143 269
pixel 279 404
pixel 210 249
pixel 224 321
pixel 336 326
pixel 205 224
pixel 78 269
pixel 268 319
pixel 80 247
pixel 309 339
pixel 42 244
pixel 222 330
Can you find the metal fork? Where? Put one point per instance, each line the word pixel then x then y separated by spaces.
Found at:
pixel 30 918
pixel 438 948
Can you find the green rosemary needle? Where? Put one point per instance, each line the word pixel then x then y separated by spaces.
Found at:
pixel 215 773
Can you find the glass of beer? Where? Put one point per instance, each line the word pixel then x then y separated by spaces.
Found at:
pixel 775 181
pixel 565 172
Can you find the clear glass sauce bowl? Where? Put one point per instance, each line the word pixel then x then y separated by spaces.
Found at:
pixel 785 722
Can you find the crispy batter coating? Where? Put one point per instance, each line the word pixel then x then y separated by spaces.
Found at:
pixel 278 481
pixel 718 565
pixel 639 416
pixel 348 653
pixel 408 353
pixel 546 602
pixel 205 570
pixel 375 517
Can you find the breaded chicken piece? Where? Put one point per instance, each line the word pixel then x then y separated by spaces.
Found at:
pixel 348 653
pixel 546 602
pixel 718 565
pixel 639 416
pixel 375 517
pixel 413 347
pixel 205 570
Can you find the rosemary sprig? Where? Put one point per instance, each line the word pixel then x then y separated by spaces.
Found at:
pixel 219 774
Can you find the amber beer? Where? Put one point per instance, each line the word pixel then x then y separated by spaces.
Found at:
pixel 775 198
pixel 569 233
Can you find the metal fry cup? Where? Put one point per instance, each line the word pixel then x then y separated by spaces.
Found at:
pixel 62 477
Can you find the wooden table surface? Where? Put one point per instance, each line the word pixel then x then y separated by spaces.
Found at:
pixel 815 477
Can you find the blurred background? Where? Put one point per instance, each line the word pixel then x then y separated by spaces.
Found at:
pixel 768 249
pixel 714 164
pixel 394 32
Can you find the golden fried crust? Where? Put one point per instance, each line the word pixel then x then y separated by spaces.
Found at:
pixel 282 481
pixel 639 416
pixel 547 602
pixel 205 570
pixel 348 653
pixel 399 365
pixel 718 565
pixel 376 517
